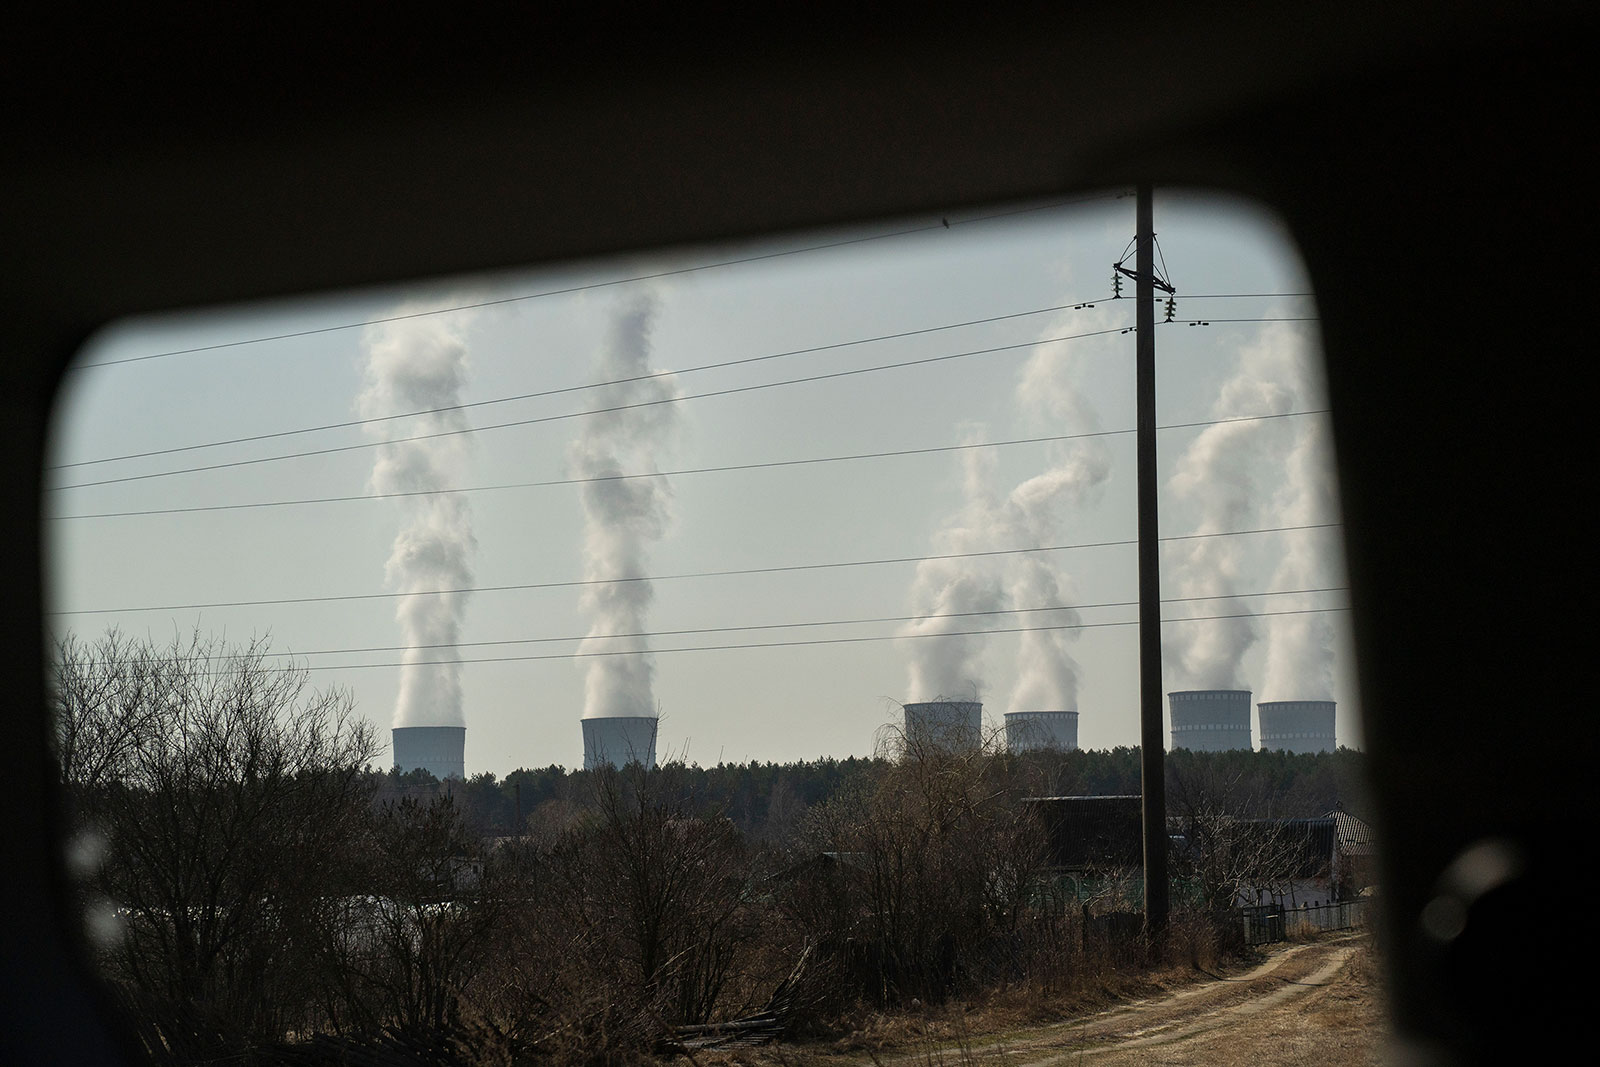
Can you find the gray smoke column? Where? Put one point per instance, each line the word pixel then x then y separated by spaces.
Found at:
pixel 1033 514
pixel 420 365
pixel 623 517
pixel 1300 648
pixel 1226 472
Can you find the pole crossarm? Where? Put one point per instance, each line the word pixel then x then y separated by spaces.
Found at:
pixel 1155 278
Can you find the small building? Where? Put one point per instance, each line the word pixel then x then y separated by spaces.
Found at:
pixel 1355 855
pixel 1305 861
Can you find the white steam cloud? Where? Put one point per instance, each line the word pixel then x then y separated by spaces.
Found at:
pixel 1033 514
pixel 1046 674
pixel 1228 473
pixel 1300 657
pixel 623 517
pixel 420 365
pixel 951 666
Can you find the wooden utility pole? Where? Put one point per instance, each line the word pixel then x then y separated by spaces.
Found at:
pixel 1152 746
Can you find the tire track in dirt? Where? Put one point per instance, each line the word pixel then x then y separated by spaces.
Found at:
pixel 1189 1014
pixel 1176 1031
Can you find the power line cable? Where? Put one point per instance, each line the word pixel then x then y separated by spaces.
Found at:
pixel 810 623
pixel 734 572
pixel 615 408
pixel 925 361
pixel 804 643
pixel 352 423
pixel 725 468
pixel 943 223
pixel 832 346
pixel 1290 318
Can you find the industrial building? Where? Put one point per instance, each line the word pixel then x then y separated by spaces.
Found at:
pixel 439 750
pixel 619 740
pixel 1028 731
pixel 948 724
pixel 1210 720
pixel 1297 725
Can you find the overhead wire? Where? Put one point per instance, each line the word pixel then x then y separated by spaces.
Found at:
pixel 805 642
pixel 728 573
pixel 561 417
pixel 1078 305
pixel 806 624
pixel 1286 318
pixel 353 423
pixel 539 420
pixel 720 469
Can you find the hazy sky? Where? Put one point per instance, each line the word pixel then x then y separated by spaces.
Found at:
pixel 816 689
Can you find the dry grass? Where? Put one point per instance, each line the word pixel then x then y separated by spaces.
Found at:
pixel 1336 1023
pixel 1340 1025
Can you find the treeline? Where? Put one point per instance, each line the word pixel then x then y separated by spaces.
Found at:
pixel 767 800
pixel 255 893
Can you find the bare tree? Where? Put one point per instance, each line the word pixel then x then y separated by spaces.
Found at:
pixel 666 888
pixel 226 791
pixel 103 702
pixel 928 871
pixel 1232 849
pixel 410 944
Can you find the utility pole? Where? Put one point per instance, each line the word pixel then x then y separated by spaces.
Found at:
pixel 1152 746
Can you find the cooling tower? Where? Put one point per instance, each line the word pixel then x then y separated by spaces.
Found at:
pixel 1297 725
pixel 439 750
pixel 944 723
pixel 1210 720
pixel 1027 731
pixel 619 741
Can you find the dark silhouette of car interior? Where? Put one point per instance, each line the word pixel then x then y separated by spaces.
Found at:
pixel 1430 160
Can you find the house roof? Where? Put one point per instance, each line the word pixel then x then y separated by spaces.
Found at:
pixel 1355 837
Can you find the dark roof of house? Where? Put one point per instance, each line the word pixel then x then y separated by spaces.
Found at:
pixel 1095 831
pixel 1354 836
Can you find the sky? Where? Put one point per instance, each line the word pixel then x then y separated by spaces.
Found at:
pixel 757 391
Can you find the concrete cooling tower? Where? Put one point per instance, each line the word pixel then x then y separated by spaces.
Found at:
pixel 1297 725
pixel 439 750
pixel 1028 731
pixel 948 724
pixel 619 741
pixel 1210 720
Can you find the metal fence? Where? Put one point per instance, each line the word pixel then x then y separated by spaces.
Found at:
pixel 1266 923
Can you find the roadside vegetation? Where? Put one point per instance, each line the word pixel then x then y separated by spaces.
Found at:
pixel 255 892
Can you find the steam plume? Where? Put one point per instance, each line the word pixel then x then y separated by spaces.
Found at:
pixel 1300 654
pixel 1224 471
pixel 952 665
pixel 421 365
pixel 1048 393
pixel 1032 514
pixel 623 517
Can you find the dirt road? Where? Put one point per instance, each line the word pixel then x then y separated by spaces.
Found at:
pixel 1314 1004
pixel 1306 1005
